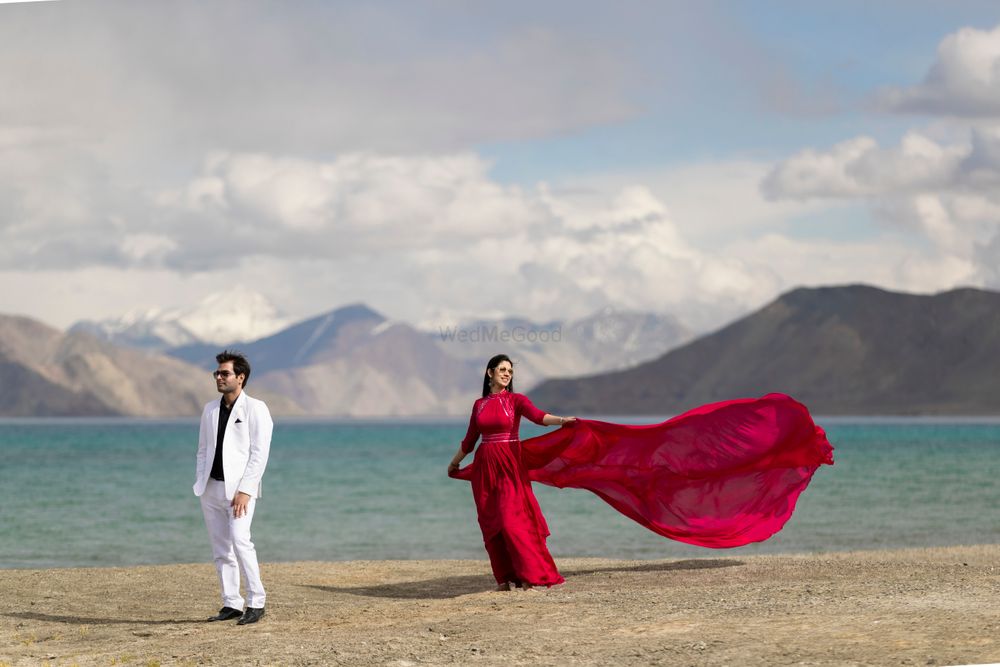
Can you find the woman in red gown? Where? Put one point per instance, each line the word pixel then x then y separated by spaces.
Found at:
pixel 720 475
pixel 514 529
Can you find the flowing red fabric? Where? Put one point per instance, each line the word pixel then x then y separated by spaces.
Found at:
pixel 721 475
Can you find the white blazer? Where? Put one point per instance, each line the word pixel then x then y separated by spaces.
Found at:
pixel 245 446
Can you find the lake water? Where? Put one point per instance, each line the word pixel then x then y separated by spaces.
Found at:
pixel 118 492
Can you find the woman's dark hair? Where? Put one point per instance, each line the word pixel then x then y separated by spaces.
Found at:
pixel 240 364
pixel 490 366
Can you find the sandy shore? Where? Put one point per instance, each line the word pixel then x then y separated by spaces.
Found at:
pixel 920 607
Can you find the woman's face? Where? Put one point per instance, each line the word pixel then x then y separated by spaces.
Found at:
pixel 501 375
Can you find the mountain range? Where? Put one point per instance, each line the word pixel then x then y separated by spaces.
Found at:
pixel 45 373
pixel 855 350
pixel 841 350
pixel 354 361
pixel 351 361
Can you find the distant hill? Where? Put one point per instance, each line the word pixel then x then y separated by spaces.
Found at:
pixel 841 350
pixel 45 372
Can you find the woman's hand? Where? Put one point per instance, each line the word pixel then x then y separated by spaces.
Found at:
pixel 456 461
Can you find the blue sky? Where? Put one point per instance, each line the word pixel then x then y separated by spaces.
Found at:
pixel 447 160
pixel 843 50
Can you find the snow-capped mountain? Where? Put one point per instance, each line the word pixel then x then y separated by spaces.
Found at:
pixel 220 318
pixel 142 329
pixel 225 317
pixel 352 361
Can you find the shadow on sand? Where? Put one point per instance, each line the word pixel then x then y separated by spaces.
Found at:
pixel 452 587
pixel 87 620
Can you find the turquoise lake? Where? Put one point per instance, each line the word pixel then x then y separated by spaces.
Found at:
pixel 118 492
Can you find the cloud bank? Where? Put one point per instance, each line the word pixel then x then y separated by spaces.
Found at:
pixel 963 81
pixel 156 152
pixel 940 182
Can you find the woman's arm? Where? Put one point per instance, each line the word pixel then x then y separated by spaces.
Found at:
pixel 555 420
pixel 528 409
pixel 468 442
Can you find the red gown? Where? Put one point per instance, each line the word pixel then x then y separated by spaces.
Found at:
pixel 721 475
pixel 514 529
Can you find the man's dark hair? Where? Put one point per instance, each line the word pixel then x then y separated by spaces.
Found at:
pixel 240 364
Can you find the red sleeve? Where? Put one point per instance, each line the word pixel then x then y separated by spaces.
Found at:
pixel 528 409
pixel 469 441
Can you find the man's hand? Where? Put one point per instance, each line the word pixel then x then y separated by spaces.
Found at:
pixel 239 504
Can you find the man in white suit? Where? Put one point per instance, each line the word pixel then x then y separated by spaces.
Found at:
pixel 233 445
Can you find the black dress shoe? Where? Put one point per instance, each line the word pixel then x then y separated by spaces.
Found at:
pixel 251 615
pixel 227 614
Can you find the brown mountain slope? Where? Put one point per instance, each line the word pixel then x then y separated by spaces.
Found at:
pixel 44 372
pixel 841 350
pixel 395 370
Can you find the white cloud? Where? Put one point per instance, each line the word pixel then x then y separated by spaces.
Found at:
pixel 715 202
pixel 117 102
pixel 943 189
pixel 408 234
pixel 946 192
pixel 860 168
pixel 881 261
pixel 425 252
pixel 356 203
pixel 332 154
pixel 434 238
pixel 147 249
pixel 815 174
pixel 963 81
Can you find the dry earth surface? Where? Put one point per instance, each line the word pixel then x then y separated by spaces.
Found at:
pixel 911 607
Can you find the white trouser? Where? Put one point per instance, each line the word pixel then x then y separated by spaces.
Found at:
pixel 231 547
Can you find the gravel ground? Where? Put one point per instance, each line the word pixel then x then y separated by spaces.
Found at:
pixel 911 607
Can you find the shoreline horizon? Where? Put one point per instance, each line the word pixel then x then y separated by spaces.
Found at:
pixel 462 418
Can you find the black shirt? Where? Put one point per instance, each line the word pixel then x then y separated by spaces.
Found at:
pixel 224 412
